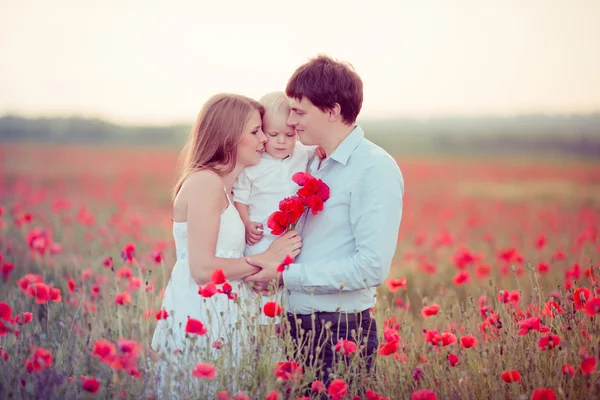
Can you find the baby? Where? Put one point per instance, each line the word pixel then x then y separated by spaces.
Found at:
pixel 259 188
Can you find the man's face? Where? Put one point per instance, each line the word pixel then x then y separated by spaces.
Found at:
pixel 309 122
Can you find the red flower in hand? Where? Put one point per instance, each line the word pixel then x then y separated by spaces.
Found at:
pixel 278 222
pixel 313 193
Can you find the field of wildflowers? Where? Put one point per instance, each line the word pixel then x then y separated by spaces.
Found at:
pixel 494 291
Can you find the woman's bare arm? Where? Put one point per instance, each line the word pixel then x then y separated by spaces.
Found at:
pixel 205 198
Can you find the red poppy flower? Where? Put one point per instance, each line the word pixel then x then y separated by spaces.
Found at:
pixel 124 273
pixel 278 222
pixel 430 310
pixel 423 394
pixel 5 312
pixel 293 208
pixel 128 252
pixel 272 309
pixel 207 291
pixel 468 341
pixel 123 298
pixel 386 349
pixel 4 329
pixel 568 369
pixel 7 269
pixel 552 309
pixel 588 364
pixel 285 263
pixel 346 346
pixel 444 339
pixel 273 395
pixel 395 284
pixel 548 342
pixel 461 278
pixel 24 318
pixel 337 389
pixel 196 327
pixel 580 297
pixel 40 291
pixel 55 295
pixel 218 276
pixel 204 371
pixel 157 256
pixel 543 394
pixel 511 376
pixel 541 241
pixel 90 384
pixel 318 386
pixel 288 371
pixel 452 359
pixel 39 360
pixel 315 203
pixel 592 306
pixel 226 288
pixel 529 324
pixel 543 267
pixel 162 314
pixel 108 262
pixel 104 349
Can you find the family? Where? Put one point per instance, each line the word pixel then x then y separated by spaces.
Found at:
pixel 236 167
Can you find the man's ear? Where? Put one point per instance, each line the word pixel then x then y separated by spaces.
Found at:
pixel 334 113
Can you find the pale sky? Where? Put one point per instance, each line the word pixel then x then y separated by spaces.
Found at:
pixel 151 61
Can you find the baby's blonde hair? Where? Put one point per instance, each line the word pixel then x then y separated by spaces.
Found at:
pixel 275 103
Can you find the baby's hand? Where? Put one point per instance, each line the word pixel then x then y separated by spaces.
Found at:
pixel 254 232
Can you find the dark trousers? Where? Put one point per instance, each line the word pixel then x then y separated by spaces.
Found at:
pixel 314 338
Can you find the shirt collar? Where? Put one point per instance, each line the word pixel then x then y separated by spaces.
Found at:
pixel 267 156
pixel 342 153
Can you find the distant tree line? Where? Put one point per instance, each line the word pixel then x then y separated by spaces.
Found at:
pixel 577 135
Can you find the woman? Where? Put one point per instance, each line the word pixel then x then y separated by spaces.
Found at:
pixel 210 235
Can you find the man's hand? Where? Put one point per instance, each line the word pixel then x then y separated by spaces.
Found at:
pixel 264 288
pixel 254 232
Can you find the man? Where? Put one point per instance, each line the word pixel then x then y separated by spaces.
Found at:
pixel 348 247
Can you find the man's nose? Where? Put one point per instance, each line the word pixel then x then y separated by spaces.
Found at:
pixel 291 121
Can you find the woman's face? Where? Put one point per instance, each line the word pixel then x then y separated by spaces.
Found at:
pixel 252 142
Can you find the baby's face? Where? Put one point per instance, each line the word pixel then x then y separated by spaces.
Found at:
pixel 281 137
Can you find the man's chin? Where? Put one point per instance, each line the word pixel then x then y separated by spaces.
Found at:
pixel 304 140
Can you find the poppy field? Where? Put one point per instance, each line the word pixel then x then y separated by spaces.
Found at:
pixel 494 291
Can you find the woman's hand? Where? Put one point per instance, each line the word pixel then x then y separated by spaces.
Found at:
pixel 289 243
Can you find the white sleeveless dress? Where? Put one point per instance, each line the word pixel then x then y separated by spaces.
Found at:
pixel 229 343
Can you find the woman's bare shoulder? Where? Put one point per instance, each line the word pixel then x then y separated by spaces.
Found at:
pixel 201 186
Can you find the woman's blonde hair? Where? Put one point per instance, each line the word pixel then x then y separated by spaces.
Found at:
pixel 215 136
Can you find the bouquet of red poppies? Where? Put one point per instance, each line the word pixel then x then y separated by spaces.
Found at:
pixel 312 194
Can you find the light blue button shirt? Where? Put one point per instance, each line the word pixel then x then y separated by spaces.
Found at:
pixel 348 247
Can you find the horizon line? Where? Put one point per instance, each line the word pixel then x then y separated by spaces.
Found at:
pixel 124 123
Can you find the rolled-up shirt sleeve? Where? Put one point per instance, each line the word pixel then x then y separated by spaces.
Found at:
pixel 242 187
pixel 375 215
